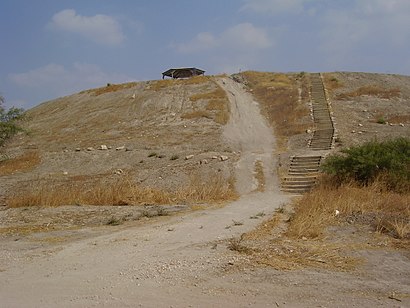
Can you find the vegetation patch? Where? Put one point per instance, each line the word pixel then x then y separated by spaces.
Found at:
pixel 387 161
pixel 110 88
pixel 23 163
pixel 123 191
pixel 371 90
pixel 165 83
pixel 279 98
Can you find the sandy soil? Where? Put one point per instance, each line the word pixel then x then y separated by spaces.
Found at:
pixel 182 260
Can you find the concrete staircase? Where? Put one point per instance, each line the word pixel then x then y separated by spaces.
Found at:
pixel 323 134
pixel 304 169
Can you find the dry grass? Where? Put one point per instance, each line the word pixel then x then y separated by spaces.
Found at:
pixel 218 93
pixel 396 119
pixel 110 88
pixel 279 98
pixel 371 90
pixel 331 82
pixel 121 192
pixel 267 246
pixel 196 114
pixel 23 163
pixel 369 205
pixel 259 176
pixel 165 83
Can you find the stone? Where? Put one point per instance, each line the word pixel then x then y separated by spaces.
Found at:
pixel 308 131
pixel 90 149
pixel 189 157
pixel 120 148
pixel 214 157
pixel 118 171
pixel 203 162
pixel 103 147
pixel 360 125
pixel 401 124
pixel 223 157
pixel 78 149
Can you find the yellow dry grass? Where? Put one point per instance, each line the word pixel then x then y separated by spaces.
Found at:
pixel 371 90
pixel 382 209
pixel 110 88
pixel 165 83
pixel 123 191
pixel 23 163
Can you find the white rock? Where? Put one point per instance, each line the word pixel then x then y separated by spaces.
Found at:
pixel 214 157
pixel 103 147
pixel 223 157
pixel 189 157
pixel 65 172
pixel 120 148
pixel 401 124
pixel 133 96
pixel 308 131
pixel 90 149
pixel 360 125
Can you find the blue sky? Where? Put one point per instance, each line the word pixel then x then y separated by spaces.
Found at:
pixel 53 48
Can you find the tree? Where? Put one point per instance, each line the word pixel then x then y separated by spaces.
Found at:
pixel 9 121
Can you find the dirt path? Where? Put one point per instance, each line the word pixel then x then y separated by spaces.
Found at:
pixel 249 132
pixel 176 261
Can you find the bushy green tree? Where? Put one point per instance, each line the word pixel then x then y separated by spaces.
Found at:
pixel 9 121
pixel 365 163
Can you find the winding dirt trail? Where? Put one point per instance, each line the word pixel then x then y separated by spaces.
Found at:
pixel 174 261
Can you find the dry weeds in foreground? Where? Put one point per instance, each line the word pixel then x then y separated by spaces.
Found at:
pixel 301 237
pixel 122 192
pixel 326 205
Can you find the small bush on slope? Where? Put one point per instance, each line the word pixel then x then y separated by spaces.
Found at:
pixel 9 122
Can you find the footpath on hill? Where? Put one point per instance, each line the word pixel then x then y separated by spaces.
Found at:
pixel 175 261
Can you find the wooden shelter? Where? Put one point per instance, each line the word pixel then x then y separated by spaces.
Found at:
pixel 184 72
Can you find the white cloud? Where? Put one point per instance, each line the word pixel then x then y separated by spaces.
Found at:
pixel 243 37
pixel 56 80
pixel 274 6
pixel 99 28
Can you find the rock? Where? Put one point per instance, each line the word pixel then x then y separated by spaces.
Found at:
pixel 103 147
pixel 308 131
pixel 120 148
pixel 118 171
pixel 133 96
pixel 401 124
pixel 189 157
pixel 65 172
pixel 214 157
pixel 360 125
pixel 223 157
pixel 203 162
pixel 77 149
pixel 353 131
pixel 128 149
pixel 90 149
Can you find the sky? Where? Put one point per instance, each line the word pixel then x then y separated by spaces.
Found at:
pixel 51 48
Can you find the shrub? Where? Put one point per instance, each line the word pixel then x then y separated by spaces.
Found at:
pixel 388 160
pixel 9 122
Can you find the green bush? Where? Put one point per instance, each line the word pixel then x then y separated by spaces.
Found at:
pixel 9 122
pixel 365 163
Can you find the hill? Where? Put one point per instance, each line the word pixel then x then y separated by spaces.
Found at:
pixel 213 150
